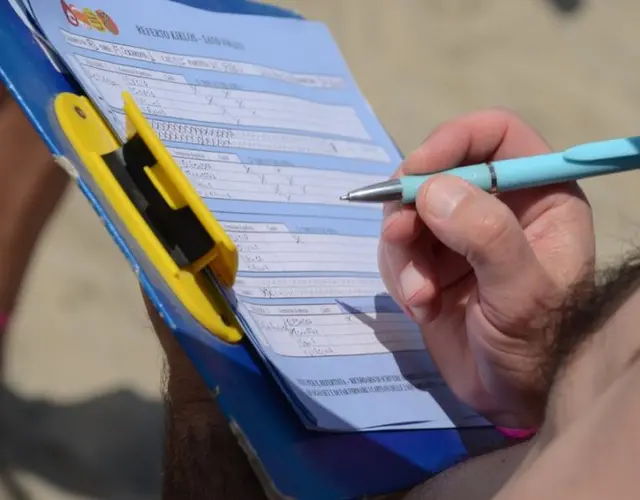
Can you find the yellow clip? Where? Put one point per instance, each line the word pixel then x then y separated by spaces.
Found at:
pixel 159 208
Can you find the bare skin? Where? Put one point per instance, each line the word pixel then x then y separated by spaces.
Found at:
pixel 476 272
pixel 31 186
pixel 481 319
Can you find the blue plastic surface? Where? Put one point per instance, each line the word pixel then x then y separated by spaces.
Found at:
pixel 478 175
pixel 302 464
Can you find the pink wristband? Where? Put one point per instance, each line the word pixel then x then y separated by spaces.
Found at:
pixel 516 433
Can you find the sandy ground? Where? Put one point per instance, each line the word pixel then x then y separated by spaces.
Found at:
pixel 82 416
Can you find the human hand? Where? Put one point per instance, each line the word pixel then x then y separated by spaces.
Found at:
pixel 480 273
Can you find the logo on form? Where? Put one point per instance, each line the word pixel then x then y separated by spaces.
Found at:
pixel 87 18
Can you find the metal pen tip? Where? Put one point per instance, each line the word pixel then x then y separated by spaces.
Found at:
pixel 382 191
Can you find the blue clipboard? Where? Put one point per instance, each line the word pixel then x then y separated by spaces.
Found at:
pixel 301 464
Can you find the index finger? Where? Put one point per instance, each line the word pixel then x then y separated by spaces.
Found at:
pixel 393 211
pixel 473 138
pixel 485 135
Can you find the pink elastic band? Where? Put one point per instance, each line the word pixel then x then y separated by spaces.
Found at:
pixel 4 319
pixel 517 433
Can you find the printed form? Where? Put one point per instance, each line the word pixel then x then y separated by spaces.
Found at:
pixel 265 120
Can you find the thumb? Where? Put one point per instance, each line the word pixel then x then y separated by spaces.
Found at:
pixel 483 230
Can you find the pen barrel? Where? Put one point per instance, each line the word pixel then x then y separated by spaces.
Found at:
pixel 478 175
pixel 544 170
pixel 528 172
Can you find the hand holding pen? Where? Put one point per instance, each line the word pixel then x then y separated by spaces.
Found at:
pixel 476 271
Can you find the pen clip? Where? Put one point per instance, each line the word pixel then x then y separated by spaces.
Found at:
pixel 613 149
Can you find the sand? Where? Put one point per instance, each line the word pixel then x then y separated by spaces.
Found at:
pixel 81 415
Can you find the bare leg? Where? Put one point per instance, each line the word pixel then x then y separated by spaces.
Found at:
pixel 202 457
pixel 31 185
pixel 204 460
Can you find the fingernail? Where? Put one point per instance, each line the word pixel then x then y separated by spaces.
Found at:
pixel 443 196
pixel 390 221
pixel 421 314
pixel 411 282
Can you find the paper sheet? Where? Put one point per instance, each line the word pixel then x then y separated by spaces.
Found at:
pixel 266 121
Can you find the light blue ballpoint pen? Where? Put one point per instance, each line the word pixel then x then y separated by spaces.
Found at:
pixel 579 162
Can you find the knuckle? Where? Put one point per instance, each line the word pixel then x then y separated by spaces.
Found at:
pixel 438 129
pixel 502 111
pixel 414 163
pixel 501 114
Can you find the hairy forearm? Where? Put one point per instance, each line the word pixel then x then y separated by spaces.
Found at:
pixel 587 446
pixel 591 456
pixel 202 457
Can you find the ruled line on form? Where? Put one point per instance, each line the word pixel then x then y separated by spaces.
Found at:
pixel 328 331
pixel 162 94
pixel 201 63
pixel 284 251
